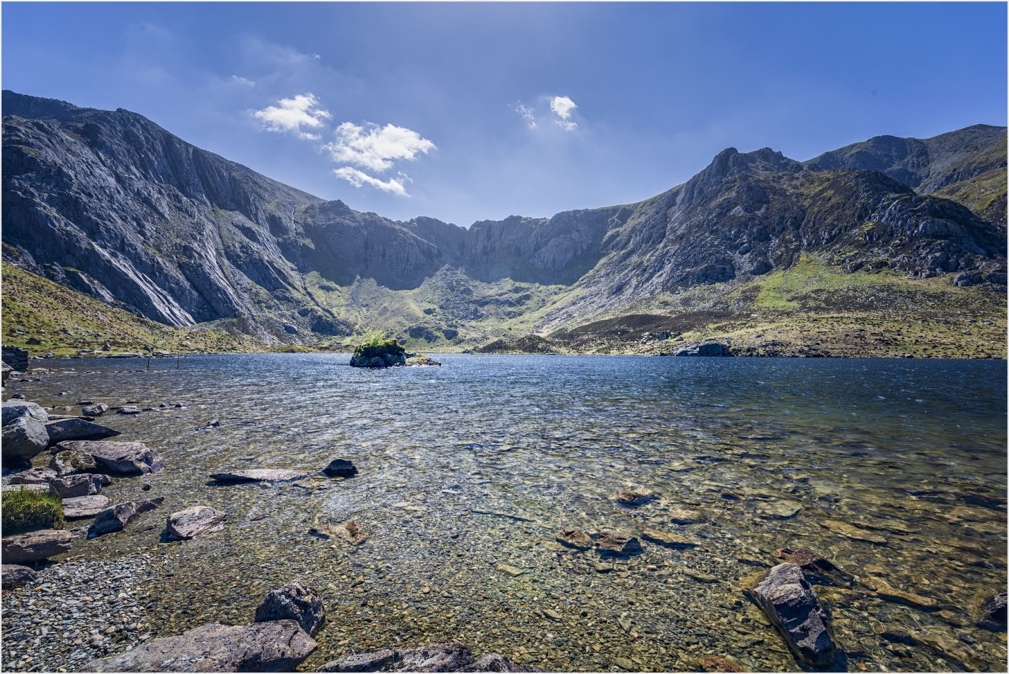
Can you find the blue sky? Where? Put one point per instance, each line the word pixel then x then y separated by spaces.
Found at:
pixel 479 111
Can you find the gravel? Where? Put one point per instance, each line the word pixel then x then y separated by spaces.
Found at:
pixel 78 610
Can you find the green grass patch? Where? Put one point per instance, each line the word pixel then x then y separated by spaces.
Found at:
pixel 25 510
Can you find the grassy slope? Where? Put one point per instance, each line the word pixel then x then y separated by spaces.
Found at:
pixel 813 309
pixel 47 311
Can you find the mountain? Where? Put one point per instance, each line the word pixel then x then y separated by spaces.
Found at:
pixel 114 206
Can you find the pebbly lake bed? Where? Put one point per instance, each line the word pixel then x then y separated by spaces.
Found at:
pixel 895 470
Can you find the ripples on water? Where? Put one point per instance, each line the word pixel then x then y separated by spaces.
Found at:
pixel 480 462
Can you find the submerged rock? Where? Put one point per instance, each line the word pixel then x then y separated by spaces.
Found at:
pixel 257 475
pixel 452 657
pixel 616 543
pixel 84 506
pixel 191 522
pixel 897 596
pixel 77 429
pixel 993 613
pixel 293 602
pixel 632 498
pixel 667 539
pixel 793 607
pixel 340 468
pixel 117 517
pixel 816 567
pixel 14 575
pixel 852 532
pixel 685 516
pixel 715 663
pixel 276 646
pixel 117 458
pixel 35 546
pixel 573 538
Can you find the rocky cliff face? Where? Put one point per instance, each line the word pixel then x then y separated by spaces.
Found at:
pixel 111 204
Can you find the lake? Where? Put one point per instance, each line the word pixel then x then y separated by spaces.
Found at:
pixel 895 470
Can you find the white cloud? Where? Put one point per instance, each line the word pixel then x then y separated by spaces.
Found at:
pixel 374 147
pixel 562 107
pixel 358 178
pixel 527 113
pixel 291 114
pixel 243 81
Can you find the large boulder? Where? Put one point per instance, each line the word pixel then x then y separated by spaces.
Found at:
pixel 192 522
pixel 293 602
pixel 83 484
pixel 23 438
pixel 117 517
pixel 77 429
pixel 35 546
pixel 117 458
pixel 258 475
pixel 14 575
pixel 793 607
pixel 15 409
pixel 69 462
pixel 277 646
pixel 84 506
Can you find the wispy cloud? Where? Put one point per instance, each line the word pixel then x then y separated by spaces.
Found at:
pixel 527 113
pixel 562 107
pixel 291 114
pixel 237 79
pixel 374 147
pixel 360 178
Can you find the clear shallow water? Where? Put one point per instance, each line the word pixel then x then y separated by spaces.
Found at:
pixel 480 462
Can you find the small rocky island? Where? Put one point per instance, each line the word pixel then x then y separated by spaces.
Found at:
pixel 377 351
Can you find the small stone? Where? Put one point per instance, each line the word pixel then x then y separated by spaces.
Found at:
pixel 634 498
pixel 573 538
pixel 128 409
pixel 510 570
pixel 624 663
pixel 340 468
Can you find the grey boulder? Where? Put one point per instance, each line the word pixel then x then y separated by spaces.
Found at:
pixel 15 409
pixel 23 438
pixel 84 506
pixel 118 458
pixel 14 575
pixel 117 517
pixel 82 484
pixel 77 429
pixel 340 468
pixel 34 476
pixel 360 662
pixel 793 607
pixel 451 657
pixel 35 546
pixel 95 410
pixel 293 602
pixel 276 646
pixel 192 522
pixel 69 462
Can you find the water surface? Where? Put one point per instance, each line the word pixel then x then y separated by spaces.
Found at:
pixel 480 462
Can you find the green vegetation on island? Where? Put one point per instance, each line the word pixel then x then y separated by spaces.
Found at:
pixel 378 351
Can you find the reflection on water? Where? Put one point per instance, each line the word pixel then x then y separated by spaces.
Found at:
pixel 895 470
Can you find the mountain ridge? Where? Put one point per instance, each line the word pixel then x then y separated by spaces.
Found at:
pixel 113 205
